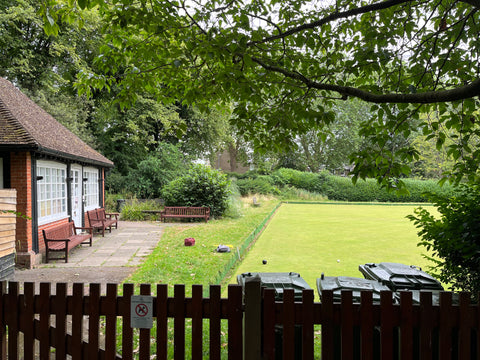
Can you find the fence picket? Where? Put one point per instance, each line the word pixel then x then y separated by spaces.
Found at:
pixel 215 322
pixel 347 325
pixel 60 309
pixel 93 320
pixel 77 321
pixel 426 319
pixel 111 321
pixel 406 326
pixel 127 331
pixel 269 318
pixel 328 326
pixel 179 322
pixel 44 328
pixel 367 339
pixel 28 317
pixel 235 323
pixel 13 319
pixel 307 324
pixel 162 321
pixel 464 332
pixel 197 322
pixel 386 323
pixel 288 324
pixel 144 348
pixel 445 330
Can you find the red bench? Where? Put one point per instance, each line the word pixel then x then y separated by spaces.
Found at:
pixel 64 238
pixel 185 212
pixel 100 220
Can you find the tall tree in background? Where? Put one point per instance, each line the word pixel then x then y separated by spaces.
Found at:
pixel 273 58
pixel 44 67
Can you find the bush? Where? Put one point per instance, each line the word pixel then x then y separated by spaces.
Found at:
pixel 336 188
pixel 201 186
pixel 132 209
pixel 454 238
pixel 261 184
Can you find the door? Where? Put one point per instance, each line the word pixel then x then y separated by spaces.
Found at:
pixel 76 194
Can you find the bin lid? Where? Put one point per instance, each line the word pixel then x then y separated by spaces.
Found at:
pixel 399 276
pixel 356 285
pixel 277 281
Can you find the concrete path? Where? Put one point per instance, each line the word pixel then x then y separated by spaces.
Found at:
pixel 126 246
pixel 110 259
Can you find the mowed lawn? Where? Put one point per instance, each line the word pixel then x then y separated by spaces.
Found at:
pixel 334 239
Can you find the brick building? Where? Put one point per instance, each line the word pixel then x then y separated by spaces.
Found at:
pixel 57 176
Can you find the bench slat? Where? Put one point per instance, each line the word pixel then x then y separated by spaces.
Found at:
pixel 185 212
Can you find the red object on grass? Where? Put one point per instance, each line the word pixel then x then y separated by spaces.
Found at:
pixel 189 241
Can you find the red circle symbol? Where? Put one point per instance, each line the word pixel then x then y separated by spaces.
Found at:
pixel 141 310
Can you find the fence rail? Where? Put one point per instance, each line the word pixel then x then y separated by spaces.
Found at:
pixel 248 324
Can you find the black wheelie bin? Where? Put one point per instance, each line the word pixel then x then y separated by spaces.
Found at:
pixel 279 282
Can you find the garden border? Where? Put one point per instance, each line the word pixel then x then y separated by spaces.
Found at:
pixel 243 249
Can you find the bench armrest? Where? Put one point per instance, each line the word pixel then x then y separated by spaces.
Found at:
pixel 112 214
pixel 89 229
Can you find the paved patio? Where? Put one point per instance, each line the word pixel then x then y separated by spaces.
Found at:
pixel 110 259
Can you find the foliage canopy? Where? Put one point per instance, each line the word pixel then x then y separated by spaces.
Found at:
pixel 273 58
pixel 453 239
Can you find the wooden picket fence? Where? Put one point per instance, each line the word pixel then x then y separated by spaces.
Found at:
pixel 72 323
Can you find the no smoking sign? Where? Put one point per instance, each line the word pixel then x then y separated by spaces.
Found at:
pixel 141 307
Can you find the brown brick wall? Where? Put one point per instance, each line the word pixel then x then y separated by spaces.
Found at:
pixel 21 180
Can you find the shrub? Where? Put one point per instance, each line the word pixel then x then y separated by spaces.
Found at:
pixel 132 210
pixel 454 238
pixel 201 186
pixel 261 184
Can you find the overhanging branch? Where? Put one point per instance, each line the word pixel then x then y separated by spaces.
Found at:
pixel 429 97
pixel 335 16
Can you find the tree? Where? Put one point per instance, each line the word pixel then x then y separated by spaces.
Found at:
pixel 44 67
pixel 331 147
pixel 156 171
pixel 453 238
pixel 274 58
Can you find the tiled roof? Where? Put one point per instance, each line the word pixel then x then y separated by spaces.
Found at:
pixel 24 124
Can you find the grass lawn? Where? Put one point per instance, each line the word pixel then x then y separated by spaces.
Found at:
pixel 173 263
pixel 310 239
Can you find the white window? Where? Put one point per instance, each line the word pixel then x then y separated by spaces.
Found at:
pixel 51 191
pixel 90 188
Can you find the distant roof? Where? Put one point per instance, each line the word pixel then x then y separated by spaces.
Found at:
pixel 25 125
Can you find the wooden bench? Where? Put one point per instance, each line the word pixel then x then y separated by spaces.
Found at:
pixel 64 238
pixel 185 212
pixel 100 220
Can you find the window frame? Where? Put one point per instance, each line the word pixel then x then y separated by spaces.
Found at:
pixel 51 191
pixel 91 191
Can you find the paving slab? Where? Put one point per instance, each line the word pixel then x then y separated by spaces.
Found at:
pixel 110 259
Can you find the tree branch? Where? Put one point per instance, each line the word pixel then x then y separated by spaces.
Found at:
pixel 335 16
pixel 428 97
